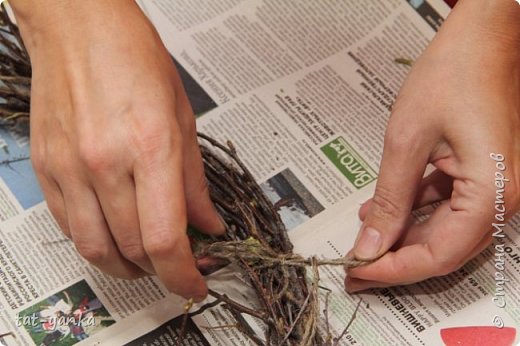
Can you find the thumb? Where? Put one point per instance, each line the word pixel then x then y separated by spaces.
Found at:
pixel 402 167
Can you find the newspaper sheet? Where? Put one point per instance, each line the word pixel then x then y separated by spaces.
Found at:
pixel 303 89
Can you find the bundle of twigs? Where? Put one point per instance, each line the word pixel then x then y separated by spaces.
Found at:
pixel 256 239
pixel 15 77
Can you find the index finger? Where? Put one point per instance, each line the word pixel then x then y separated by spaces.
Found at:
pixel 162 218
pixel 453 236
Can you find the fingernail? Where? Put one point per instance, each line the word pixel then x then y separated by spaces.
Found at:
pixel 368 244
pixel 350 286
pixel 199 299
pixel 200 296
pixel 209 265
pixel 354 285
pixel 346 283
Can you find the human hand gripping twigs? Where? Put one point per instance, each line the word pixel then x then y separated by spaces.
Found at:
pixel 460 103
pixel 113 139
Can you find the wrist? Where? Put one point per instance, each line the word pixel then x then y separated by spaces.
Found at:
pixel 482 33
pixel 495 22
pixel 54 22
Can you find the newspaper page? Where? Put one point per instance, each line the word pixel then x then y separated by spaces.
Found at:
pixel 305 99
pixel 51 296
pixel 303 89
pixel 309 119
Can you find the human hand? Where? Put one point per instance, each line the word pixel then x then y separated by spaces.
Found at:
pixel 113 140
pixel 459 104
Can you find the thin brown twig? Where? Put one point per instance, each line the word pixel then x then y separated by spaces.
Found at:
pixel 328 335
pixel 352 318
pixel 5 335
pixel 186 315
pixel 239 307
pixel 298 317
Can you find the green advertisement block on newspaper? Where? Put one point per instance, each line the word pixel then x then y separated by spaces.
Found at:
pixel 349 162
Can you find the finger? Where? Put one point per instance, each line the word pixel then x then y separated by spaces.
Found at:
pixel 363 209
pixel 421 232
pixel 55 203
pixel 200 209
pixel 486 241
pixel 209 265
pixel 402 167
pixel 90 233
pixel 51 190
pixel 116 193
pixel 454 234
pixel 162 218
pixel 353 284
pixel 435 187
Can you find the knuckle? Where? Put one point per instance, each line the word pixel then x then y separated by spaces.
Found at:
pixel 59 217
pixel 59 164
pixel 155 141
pixel 133 252
pixel 400 266
pixel 92 252
pixel 38 162
pixel 38 153
pixel 56 159
pixel 384 204
pixel 65 171
pixel 445 266
pixel 401 139
pixel 60 169
pixel 161 244
pixel 152 151
pixel 96 157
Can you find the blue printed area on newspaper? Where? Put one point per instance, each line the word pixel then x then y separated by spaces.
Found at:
pixel 16 169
